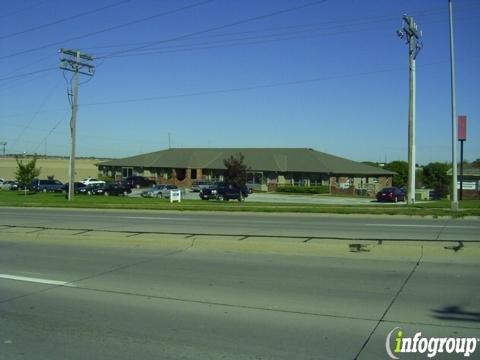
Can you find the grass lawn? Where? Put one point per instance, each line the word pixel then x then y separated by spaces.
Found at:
pixel 433 208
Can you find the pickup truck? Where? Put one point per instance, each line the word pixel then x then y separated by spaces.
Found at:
pixel 224 191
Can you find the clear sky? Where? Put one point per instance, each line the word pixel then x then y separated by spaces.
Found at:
pixel 330 75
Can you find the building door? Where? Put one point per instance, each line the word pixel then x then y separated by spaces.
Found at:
pixel 127 172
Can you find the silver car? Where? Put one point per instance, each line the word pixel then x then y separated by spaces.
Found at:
pixel 155 191
pixel 165 193
pixel 7 185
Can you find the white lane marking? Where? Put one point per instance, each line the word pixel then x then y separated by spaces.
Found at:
pixel 426 226
pixel 155 218
pixel 36 280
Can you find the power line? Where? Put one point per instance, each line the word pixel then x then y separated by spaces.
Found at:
pixel 261 86
pixel 23 9
pixel 302 34
pixel 28 74
pixel 235 23
pixel 44 102
pixel 28 65
pixel 93 33
pixel 76 16
pixel 226 43
pixel 244 88
pixel 16 83
pixel 314 26
pixel 49 133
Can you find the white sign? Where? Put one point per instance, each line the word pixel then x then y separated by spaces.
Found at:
pixel 467 185
pixel 175 195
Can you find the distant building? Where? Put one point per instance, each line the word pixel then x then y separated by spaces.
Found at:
pixel 471 182
pixel 268 168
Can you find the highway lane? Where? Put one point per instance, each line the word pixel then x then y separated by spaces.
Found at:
pixel 147 298
pixel 308 225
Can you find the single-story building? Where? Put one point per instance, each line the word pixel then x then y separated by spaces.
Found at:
pixel 471 182
pixel 267 168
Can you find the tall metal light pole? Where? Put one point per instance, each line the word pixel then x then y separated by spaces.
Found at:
pixel 454 198
pixel 74 62
pixel 412 36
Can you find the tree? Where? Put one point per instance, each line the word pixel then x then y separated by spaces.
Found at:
pixel 476 163
pixel 400 179
pixel 236 172
pixel 25 173
pixel 435 177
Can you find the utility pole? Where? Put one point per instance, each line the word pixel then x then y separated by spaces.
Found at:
pixel 3 143
pixel 74 61
pixel 412 36
pixel 454 192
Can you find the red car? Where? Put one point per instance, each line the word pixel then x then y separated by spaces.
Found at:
pixel 392 194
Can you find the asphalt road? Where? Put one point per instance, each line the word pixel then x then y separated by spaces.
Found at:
pixel 351 227
pixel 65 295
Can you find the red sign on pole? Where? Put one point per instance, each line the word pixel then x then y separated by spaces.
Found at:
pixel 462 128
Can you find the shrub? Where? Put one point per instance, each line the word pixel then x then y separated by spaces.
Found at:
pixel 304 189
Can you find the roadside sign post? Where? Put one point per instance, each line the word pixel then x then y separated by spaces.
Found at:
pixel 462 137
pixel 175 195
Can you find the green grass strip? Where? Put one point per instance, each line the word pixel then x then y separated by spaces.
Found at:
pixel 431 208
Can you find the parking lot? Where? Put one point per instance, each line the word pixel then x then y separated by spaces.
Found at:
pixel 284 198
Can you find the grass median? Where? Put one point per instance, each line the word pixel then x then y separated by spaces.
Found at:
pixel 433 208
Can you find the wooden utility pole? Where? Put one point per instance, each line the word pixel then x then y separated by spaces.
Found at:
pixel 74 61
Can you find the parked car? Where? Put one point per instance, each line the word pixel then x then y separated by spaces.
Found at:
pixel 18 186
pixel 89 181
pixel 198 185
pixel 165 193
pixel 138 182
pixel 154 191
pixel 391 194
pixel 90 188
pixel 46 185
pixel 76 187
pixel 7 185
pixel 208 193
pixel 224 191
pixel 112 189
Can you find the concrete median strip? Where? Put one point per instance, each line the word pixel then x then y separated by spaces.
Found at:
pixel 385 249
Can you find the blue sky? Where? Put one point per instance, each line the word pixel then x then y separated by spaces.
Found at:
pixel 329 75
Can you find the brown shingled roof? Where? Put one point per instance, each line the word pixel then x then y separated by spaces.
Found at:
pixel 258 159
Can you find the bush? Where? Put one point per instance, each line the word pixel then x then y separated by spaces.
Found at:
pixel 304 189
pixel 440 191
